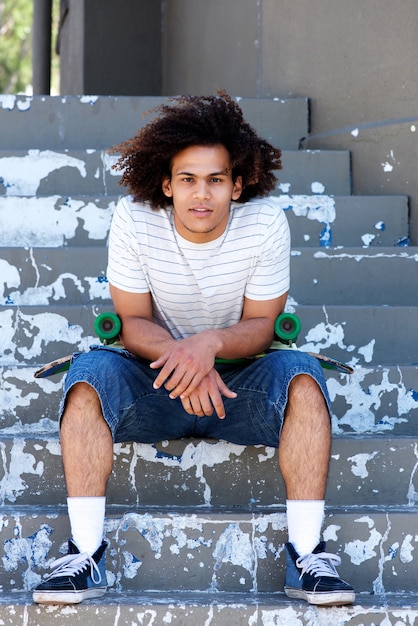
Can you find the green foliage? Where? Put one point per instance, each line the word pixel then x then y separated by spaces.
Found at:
pixel 15 45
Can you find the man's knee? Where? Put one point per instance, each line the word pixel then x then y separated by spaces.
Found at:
pixel 306 390
pixel 81 399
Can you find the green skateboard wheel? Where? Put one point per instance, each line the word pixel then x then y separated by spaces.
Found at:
pixel 287 327
pixel 107 327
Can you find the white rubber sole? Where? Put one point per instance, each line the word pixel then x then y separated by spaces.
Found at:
pixel 67 597
pixel 332 598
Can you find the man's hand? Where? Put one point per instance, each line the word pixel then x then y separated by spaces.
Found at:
pixel 184 364
pixel 187 372
pixel 207 397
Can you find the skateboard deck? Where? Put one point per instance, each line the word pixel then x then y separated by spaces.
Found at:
pixel 286 330
pixel 107 327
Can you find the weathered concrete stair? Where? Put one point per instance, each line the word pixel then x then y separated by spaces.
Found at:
pixel 197 527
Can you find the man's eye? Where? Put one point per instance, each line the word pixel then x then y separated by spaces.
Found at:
pixel 216 180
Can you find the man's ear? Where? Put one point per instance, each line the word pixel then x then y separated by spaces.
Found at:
pixel 237 189
pixel 166 187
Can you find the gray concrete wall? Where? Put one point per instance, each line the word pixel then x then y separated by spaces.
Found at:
pixel 355 60
pixel 111 47
pixel 209 45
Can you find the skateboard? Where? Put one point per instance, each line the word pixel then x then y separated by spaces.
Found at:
pixel 287 327
pixel 107 327
pixel 286 331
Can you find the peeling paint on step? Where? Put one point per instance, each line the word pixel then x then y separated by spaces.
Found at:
pixel 51 221
pixel 22 175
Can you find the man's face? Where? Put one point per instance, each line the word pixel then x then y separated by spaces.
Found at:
pixel 201 188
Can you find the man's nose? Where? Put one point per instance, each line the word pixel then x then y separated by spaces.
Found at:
pixel 202 190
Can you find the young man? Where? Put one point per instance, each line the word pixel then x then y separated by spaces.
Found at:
pixel 198 275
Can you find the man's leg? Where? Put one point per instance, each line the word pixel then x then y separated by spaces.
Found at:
pixel 290 387
pixel 124 384
pixel 304 452
pixel 305 441
pixel 87 453
pixel 86 444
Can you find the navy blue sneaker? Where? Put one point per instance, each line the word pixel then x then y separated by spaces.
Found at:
pixel 77 577
pixel 313 577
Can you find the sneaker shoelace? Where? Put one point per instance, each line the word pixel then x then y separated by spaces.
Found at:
pixel 73 564
pixel 321 564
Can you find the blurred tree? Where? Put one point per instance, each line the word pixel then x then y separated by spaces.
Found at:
pixel 16 46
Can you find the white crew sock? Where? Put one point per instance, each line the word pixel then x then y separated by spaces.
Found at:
pixel 87 519
pixel 304 522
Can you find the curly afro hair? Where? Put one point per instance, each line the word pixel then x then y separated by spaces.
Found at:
pixel 202 121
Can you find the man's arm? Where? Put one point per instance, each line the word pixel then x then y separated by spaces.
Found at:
pixel 140 334
pixel 186 366
pixel 251 335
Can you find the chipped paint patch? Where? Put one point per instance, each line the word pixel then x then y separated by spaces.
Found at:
pixel 38 330
pixel 224 544
pixel 88 99
pixel 50 221
pixel 12 396
pixel 320 208
pixel 367 239
pixel 22 175
pixel 7 102
pixel 360 551
pixel 365 401
pixel 359 463
pixel 91 287
pixel 195 457
pixel 12 485
pixel 365 257
pixel 31 551
pixel 412 492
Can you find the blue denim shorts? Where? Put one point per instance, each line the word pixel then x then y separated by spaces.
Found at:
pixel 135 411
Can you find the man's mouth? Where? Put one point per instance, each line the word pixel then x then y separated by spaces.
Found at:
pixel 200 209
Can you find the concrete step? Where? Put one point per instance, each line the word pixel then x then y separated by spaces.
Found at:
pixel 89 172
pixel 355 276
pixel 352 221
pixel 206 473
pixel 44 276
pixel 321 220
pixel 338 276
pixel 55 221
pixel 225 551
pixel 214 608
pixel 84 121
pixel 375 400
pixel 358 335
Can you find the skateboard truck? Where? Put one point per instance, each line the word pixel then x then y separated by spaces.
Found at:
pixel 286 330
pixel 107 327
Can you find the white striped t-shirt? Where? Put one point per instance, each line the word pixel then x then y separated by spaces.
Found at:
pixel 195 287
